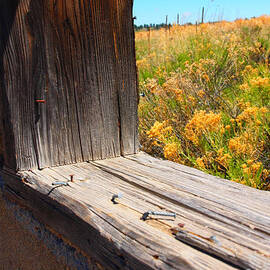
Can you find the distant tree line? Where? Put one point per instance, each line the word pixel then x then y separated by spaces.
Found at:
pixel 152 26
pixel 155 26
pixel 164 25
pixel 168 25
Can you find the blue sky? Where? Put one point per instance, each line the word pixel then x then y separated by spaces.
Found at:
pixel 155 11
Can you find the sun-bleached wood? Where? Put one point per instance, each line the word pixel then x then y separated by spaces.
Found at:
pixel 238 217
pixel 68 83
pixel 68 94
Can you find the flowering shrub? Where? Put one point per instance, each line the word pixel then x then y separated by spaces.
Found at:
pixel 207 97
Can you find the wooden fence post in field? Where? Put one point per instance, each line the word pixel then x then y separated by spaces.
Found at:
pixel 202 15
pixel 149 40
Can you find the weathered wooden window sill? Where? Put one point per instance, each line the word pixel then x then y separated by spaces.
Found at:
pixel 238 217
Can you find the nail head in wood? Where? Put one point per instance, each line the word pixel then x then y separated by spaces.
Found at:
pixel 116 196
pixel 41 101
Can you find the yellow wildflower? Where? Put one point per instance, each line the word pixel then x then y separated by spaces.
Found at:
pixel 244 86
pixel 220 151
pixel 192 99
pixel 264 110
pixel 255 167
pixel 200 163
pixel 202 122
pixel 206 77
pixel 258 122
pixel 201 93
pixel 249 162
pixel 241 146
pixel 156 129
pixel 260 82
pixel 248 114
pixel 222 159
pixel 171 151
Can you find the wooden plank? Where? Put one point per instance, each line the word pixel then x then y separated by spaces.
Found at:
pixel 126 68
pixel 103 235
pixel 78 58
pixel 233 217
pixel 200 178
pixel 13 76
pixel 209 210
pixel 58 115
pixel 100 94
pixel 210 200
pixel 7 146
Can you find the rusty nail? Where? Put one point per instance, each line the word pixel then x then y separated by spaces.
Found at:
pixel 72 178
pixel 41 101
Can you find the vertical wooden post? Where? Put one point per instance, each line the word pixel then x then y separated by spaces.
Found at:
pixel 149 40
pixel 68 88
pixel 202 15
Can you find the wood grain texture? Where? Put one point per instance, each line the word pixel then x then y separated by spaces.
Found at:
pixel 238 217
pixel 78 57
pixel 126 83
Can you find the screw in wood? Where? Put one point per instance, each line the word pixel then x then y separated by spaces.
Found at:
pixel 155 213
pixel 60 183
pixel 214 239
pixel 116 196
pixel 72 178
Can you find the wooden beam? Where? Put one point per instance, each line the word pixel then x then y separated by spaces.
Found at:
pixel 223 225
pixel 68 81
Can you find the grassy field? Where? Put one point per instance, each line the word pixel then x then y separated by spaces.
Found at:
pixel 207 97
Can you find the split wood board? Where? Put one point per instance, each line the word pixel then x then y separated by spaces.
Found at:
pixel 225 225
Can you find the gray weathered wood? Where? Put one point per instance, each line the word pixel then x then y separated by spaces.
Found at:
pixel 78 57
pixel 237 216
